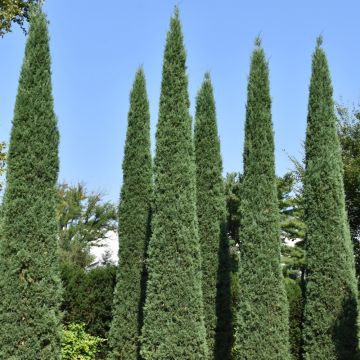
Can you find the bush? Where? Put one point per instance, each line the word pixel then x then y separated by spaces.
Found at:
pixel 76 344
pixel 88 297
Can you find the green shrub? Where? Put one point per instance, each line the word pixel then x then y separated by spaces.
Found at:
pixel 77 344
pixel 88 297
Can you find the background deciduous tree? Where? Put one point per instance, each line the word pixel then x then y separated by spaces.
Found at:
pixel 15 11
pixel 85 220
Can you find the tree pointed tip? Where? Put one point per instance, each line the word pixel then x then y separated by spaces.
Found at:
pixel 175 18
pixel 140 70
pixel 140 75
pixel 258 41
pixel 176 12
pixel 207 76
pixel 319 41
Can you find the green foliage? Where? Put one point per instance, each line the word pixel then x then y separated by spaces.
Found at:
pixel 211 221
pixel 296 307
pixel 290 201
pixel 234 281
pixel 226 277
pixel 3 156
pixel 330 317
pixel 293 260
pixel 15 11
pixel 134 227
pixel 76 344
pixel 348 127
pixel 173 313
pixel 260 334
pixel 84 220
pixel 232 187
pixel 29 275
pixel 291 208
pixel 291 204
pixel 88 297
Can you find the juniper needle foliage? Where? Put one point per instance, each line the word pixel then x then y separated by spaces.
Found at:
pixel 330 327
pixel 29 277
pixel 134 216
pixel 262 329
pixel 173 314
pixel 210 203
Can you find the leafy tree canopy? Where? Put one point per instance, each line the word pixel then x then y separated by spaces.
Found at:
pixel 15 12
pixel 85 220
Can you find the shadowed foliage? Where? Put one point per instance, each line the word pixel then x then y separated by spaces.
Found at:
pixel 211 219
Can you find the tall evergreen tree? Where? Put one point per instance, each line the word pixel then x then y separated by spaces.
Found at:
pixel 262 329
pixel 211 213
pixel 330 326
pixel 173 314
pixel 134 216
pixel 29 274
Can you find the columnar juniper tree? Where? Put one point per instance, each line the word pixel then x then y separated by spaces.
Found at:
pixel 210 205
pixel 173 314
pixel 134 219
pixel 29 279
pixel 262 329
pixel 330 326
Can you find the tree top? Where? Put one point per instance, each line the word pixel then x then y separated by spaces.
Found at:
pixel 319 41
pixel 258 41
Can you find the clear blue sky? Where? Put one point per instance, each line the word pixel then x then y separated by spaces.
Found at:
pixel 97 46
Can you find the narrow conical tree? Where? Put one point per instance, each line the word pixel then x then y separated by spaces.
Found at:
pixel 262 331
pixel 330 325
pixel 210 205
pixel 134 218
pixel 173 314
pixel 29 278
